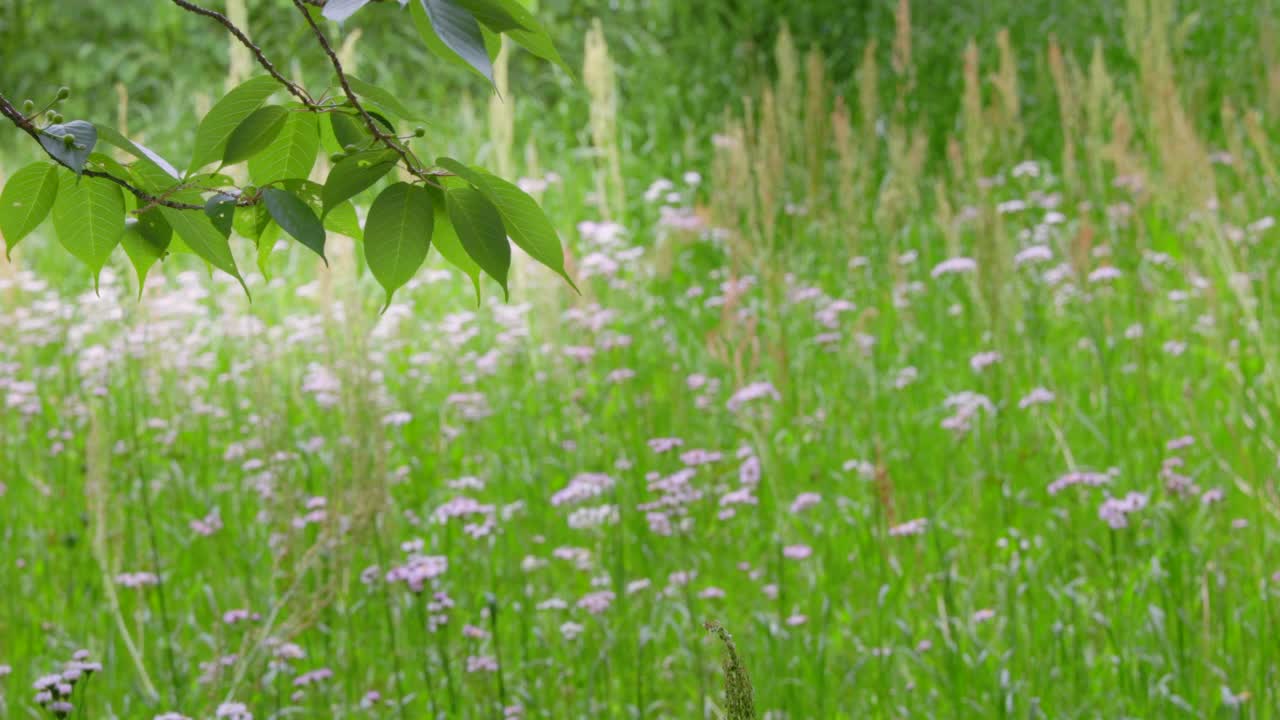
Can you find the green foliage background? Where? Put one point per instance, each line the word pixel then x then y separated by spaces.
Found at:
pixel 722 46
pixel 1156 340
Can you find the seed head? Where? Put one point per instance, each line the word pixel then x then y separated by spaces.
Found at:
pixel 738 694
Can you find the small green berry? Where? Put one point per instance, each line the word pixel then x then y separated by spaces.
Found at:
pixel 419 132
pixel 28 106
pixel 64 93
pixel 68 141
pixel 335 157
pixel 56 118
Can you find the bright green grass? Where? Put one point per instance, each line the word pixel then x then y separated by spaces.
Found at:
pixel 1088 621
pixel 1013 602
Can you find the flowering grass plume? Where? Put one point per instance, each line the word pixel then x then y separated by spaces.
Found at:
pixel 739 697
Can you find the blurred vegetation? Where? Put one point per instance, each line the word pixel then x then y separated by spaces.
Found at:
pixel 1005 323
pixel 723 48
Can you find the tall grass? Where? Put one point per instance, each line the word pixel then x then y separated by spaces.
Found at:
pixel 972 415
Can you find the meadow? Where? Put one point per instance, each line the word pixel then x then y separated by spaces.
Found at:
pixel 948 387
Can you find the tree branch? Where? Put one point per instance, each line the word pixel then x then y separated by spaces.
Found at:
pixel 390 141
pixel 149 200
pixel 239 34
pixel 24 123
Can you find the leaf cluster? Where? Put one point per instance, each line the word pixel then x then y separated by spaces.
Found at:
pixel 100 200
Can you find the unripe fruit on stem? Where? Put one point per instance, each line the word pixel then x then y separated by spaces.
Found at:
pixel 64 93
pixel 56 118
pixel 336 157
pixel 68 141
pixel 419 132
pixel 28 107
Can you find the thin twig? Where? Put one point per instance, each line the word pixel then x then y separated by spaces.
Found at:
pixel 388 140
pixel 149 200
pixel 239 34
pixel 24 123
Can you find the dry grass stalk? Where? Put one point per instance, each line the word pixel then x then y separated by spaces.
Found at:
pixel 240 65
pixel 1065 88
pixel 122 108
pixel 502 114
pixel 1261 145
pixel 739 700
pixel 347 54
pixel 1152 39
pixel 1233 130
pixel 598 75
pixel 1008 110
pixel 975 127
pixel 1100 107
pixel 902 65
pixel 994 252
pixel 901 190
pixel 945 216
pixel 884 487
pixel 1119 151
pixel 868 80
pixel 769 168
pixel 732 191
pixel 847 171
pixel 816 142
pixel 786 95
pixel 1270 49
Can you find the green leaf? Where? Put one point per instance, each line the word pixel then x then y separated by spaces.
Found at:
pixel 340 10
pixel 251 220
pixel 306 190
pixel 266 244
pixel 445 239
pixel 202 238
pixel 479 228
pixel 348 130
pixel 539 43
pixel 387 125
pixel 89 219
pixel 145 241
pixel 525 222
pixel 225 116
pixel 344 221
pixel 254 134
pixel 497 16
pixel 144 154
pixel 492 43
pixel 296 218
pixel 193 191
pixel 532 35
pixel 328 142
pixel 84 136
pixel 196 185
pixel 107 164
pixel 397 235
pixel 221 209
pixel 293 153
pixel 372 92
pixel 355 173
pixel 25 202
pixel 452 33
